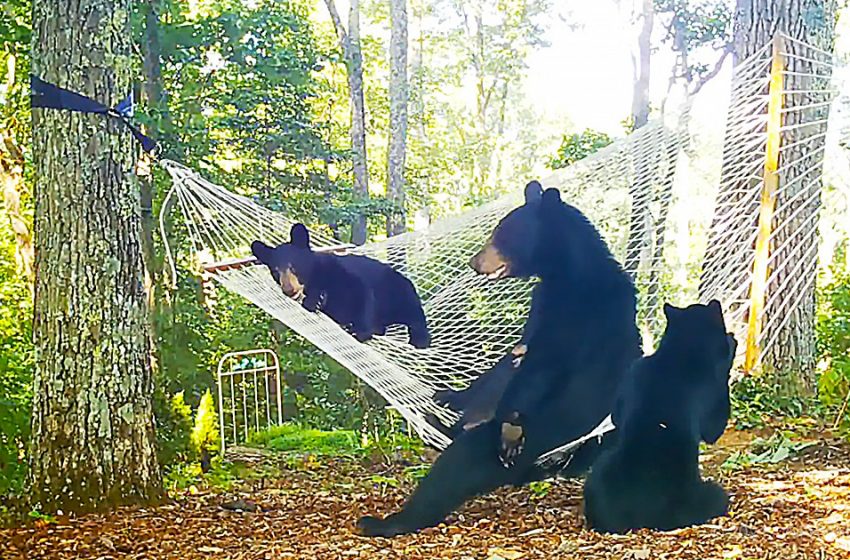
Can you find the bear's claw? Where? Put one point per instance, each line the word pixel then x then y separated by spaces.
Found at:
pixel 512 444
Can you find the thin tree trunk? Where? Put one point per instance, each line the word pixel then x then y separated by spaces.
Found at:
pixel 396 221
pixel 152 88
pixel 791 356
pixel 638 232
pixel 349 42
pixel 640 92
pixel 92 440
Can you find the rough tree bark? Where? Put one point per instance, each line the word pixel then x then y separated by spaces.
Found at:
pixel 349 42
pixel 396 221
pixel 791 357
pixel 638 217
pixel 92 440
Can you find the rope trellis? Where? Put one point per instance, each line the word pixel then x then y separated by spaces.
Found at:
pixel 653 195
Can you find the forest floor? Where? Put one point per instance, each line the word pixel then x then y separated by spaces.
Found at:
pixel 789 501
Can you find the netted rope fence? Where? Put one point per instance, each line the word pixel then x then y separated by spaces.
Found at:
pixel 678 201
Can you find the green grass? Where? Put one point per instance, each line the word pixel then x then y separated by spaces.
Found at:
pixel 291 437
pixel 188 476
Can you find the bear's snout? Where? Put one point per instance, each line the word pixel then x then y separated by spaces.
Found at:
pixel 489 261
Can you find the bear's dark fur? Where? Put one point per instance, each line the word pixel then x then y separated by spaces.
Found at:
pixel 584 340
pixel 362 295
pixel 673 399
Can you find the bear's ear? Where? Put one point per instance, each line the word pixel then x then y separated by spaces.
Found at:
pixel 551 196
pixel 299 236
pixel 260 249
pixel 533 192
pixel 715 307
pixel 671 312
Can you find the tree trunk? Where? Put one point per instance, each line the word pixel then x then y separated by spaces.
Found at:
pixel 349 42
pixel 791 356
pixel 640 92
pixel 152 88
pixel 92 440
pixel 396 221
pixel 638 231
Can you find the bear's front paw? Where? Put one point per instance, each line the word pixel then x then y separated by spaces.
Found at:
pixel 513 441
pixel 519 353
pixel 362 335
pixel 369 526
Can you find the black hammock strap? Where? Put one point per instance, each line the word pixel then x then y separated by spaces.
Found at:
pixel 49 96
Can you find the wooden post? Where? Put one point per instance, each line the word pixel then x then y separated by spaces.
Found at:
pixel 770 185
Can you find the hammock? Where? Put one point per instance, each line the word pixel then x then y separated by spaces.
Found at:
pixel 659 182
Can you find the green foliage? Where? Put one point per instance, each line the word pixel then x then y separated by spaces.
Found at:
pixel 776 449
pixel 173 427
pixel 539 489
pixel 245 104
pixel 756 403
pixel 16 366
pixel 294 437
pixel 833 342
pixel 189 477
pixel 205 430
pixel 575 147
pixel 696 29
pixel 16 351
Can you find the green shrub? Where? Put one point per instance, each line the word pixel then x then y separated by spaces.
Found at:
pixel 173 428
pixel 833 339
pixel 205 431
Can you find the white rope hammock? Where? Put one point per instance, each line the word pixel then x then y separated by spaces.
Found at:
pixel 671 168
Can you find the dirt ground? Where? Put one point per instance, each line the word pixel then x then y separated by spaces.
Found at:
pixel 797 509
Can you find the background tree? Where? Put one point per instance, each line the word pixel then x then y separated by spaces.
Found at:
pixel 396 221
pixel 638 213
pixel 755 24
pixel 92 423
pixel 349 44
pixel 495 40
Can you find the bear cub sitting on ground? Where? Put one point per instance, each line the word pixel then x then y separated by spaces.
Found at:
pixel 362 295
pixel 670 402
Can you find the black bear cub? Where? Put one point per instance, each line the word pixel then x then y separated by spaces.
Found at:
pixel 362 295
pixel 672 400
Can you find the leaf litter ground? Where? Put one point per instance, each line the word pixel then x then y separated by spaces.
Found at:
pixel 798 509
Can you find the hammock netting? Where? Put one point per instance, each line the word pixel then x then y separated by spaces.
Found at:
pixel 659 197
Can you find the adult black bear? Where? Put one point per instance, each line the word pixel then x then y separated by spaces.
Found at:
pixel 674 399
pixel 361 294
pixel 584 340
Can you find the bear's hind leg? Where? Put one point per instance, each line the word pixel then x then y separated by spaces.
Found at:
pixel 467 468
pixel 710 501
pixel 705 501
pixel 364 319
pixel 418 334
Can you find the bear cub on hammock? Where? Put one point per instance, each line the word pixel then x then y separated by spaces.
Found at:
pixel 362 295
pixel 671 401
